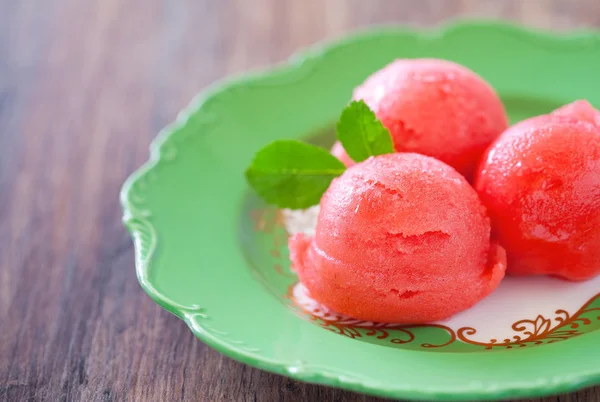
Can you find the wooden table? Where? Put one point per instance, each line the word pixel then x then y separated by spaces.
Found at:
pixel 84 87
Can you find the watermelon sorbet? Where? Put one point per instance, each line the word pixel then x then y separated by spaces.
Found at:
pixel 541 184
pixel 436 108
pixel 400 238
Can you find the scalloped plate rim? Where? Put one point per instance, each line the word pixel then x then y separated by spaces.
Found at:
pixel 316 374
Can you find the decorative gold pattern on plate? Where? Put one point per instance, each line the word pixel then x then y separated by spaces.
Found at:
pixel 540 330
pixel 536 331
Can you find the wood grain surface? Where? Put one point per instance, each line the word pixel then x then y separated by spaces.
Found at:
pixel 84 87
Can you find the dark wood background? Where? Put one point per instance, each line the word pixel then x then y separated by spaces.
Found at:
pixel 84 87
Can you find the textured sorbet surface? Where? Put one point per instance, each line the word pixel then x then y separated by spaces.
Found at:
pixel 400 238
pixel 436 108
pixel 541 183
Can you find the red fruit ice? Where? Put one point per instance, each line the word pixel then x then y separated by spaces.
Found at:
pixel 436 108
pixel 541 184
pixel 400 238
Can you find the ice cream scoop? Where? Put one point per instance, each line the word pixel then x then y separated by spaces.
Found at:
pixel 400 238
pixel 436 108
pixel 541 184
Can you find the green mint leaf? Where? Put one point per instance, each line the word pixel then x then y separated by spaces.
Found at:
pixel 362 135
pixel 292 174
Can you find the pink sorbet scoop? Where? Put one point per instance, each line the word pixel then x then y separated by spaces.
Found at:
pixel 400 238
pixel 436 108
pixel 540 181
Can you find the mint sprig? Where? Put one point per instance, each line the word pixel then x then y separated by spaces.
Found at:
pixel 362 134
pixel 293 174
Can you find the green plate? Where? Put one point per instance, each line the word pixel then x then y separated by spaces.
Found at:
pixel 210 252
